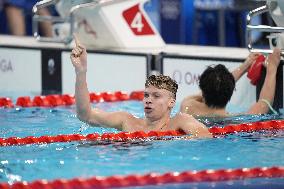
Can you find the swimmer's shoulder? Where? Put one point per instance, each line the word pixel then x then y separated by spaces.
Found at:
pixel 192 106
pixel 181 118
pixel 191 99
pixel 133 123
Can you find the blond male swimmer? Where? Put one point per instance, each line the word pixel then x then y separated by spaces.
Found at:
pixel 159 99
pixel 217 85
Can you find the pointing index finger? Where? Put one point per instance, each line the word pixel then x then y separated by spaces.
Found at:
pixel 77 42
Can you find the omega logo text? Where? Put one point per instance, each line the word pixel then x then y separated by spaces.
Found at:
pixel 6 65
pixel 187 78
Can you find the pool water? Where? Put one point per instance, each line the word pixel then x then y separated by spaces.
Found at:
pixel 87 159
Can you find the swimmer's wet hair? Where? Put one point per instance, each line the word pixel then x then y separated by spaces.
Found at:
pixel 217 85
pixel 162 82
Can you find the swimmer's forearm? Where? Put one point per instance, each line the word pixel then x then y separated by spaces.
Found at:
pixel 83 106
pixel 239 71
pixel 268 90
pixel 197 137
pixel 266 95
pixel 243 68
pixel 196 129
pixel 204 133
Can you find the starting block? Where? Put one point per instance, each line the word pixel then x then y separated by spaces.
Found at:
pixel 111 24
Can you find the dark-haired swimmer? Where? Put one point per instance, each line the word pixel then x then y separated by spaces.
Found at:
pixel 159 99
pixel 217 85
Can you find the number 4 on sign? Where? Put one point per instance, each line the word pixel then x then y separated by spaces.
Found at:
pixel 137 22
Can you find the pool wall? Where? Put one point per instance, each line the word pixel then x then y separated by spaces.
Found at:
pixel 44 68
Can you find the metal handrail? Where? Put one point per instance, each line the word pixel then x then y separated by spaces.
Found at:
pixel 43 4
pixel 37 18
pixel 262 28
pixel 68 19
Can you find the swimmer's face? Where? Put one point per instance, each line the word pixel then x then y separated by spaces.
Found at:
pixel 157 102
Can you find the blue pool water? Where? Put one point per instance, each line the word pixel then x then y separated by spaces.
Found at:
pixel 87 159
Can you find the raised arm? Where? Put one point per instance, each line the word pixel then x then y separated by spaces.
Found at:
pixel 268 89
pixel 83 106
pixel 243 68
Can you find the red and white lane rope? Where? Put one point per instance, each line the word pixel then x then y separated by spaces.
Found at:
pixel 123 136
pixel 67 99
pixel 152 179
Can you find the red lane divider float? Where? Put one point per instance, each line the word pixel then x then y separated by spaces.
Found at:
pixel 248 127
pixel 123 136
pixel 66 99
pixel 153 179
pixel 6 102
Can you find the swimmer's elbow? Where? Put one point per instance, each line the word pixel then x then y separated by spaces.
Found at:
pixel 203 133
pixel 200 131
pixel 83 116
pixel 200 135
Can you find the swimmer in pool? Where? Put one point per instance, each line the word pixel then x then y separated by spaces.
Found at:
pixel 159 99
pixel 217 85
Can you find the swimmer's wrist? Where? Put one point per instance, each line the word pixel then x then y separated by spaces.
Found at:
pixel 242 68
pixel 270 67
pixel 246 66
pixel 80 72
pixel 81 77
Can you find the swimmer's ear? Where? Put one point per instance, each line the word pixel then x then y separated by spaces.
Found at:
pixel 172 103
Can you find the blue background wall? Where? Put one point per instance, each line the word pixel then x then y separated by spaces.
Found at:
pixel 179 22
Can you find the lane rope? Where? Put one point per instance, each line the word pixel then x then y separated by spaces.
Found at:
pixel 124 136
pixel 68 99
pixel 152 179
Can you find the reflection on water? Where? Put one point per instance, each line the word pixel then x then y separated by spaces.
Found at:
pixel 223 121
pixel 105 158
